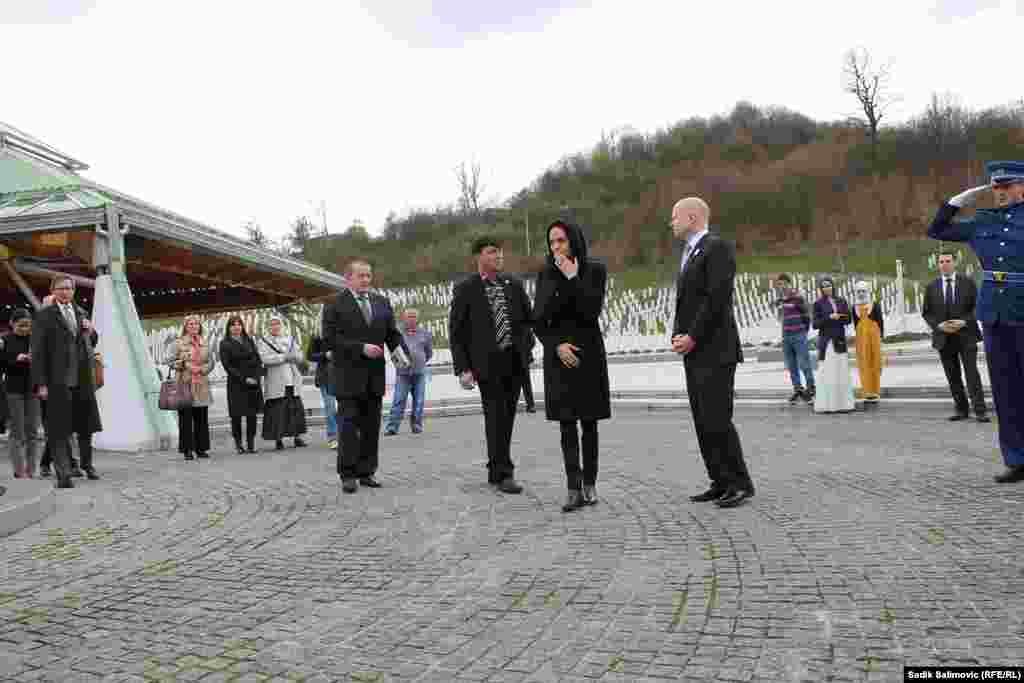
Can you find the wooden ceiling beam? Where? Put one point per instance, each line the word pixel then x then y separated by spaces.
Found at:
pixel 177 270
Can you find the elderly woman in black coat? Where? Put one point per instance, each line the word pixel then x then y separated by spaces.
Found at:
pixel 570 296
pixel 242 362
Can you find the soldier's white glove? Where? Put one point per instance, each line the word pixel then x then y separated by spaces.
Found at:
pixel 968 197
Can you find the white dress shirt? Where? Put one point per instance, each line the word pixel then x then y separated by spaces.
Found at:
pixel 691 242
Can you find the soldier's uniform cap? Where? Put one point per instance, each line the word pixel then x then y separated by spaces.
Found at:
pixel 1005 172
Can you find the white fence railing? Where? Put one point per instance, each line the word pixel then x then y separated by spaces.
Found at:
pixel 633 320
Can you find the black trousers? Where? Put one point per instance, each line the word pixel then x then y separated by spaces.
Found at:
pixel 47 459
pixel 527 388
pixel 194 430
pixel 58 451
pixel 954 354
pixel 575 475
pixel 250 429
pixel 359 425
pixel 499 395
pixel 711 392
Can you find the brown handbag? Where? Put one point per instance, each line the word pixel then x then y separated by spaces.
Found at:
pixel 99 373
pixel 175 395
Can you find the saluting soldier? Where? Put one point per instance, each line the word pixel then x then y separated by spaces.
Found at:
pixel 997 237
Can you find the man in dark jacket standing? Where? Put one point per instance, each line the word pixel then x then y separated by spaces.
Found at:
pixel 705 334
pixel 948 309
pixel 63 375
pixel 356 328
pixel 488 325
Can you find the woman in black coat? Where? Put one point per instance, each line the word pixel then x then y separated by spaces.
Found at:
pixel 242 362
pixel 570 297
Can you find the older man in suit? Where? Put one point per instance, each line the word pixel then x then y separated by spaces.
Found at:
pixel 949 303
pixel 356 328
pixel 704 332
pixel 489 333
pixel 63 374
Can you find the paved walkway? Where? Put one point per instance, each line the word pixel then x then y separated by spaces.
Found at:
pixel 875 539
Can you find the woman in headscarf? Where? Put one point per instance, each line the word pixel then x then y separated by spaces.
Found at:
pixel 570 298
pixel 869 329
pixel 242 362
pixel 831 316
pixel 283 413
pixel 193 363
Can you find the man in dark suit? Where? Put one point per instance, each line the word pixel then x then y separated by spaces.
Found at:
pixel 704 332
pixel 949 309
pixel 63 374
pixel 356 328
pixel 489 332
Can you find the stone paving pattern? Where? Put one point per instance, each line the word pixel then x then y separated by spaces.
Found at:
pixel 875 540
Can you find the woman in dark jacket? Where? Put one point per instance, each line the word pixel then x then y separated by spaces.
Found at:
pixel 570 297
pixel 242 362
pixel 831 316
pixel 16 359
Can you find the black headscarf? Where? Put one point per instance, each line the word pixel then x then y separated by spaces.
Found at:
pixel 577 244
pixel 548 285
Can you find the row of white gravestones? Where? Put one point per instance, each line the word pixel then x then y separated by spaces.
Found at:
pixel 633 320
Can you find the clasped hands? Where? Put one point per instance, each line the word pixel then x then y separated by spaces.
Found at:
pixel 566 354
pixel 952 326
pixel 683 343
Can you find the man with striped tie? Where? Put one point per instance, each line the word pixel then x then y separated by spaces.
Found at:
pixel 489 327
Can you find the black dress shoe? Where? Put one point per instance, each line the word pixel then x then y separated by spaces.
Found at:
pixel 590 494
pixel 574 501
pixel 299 443
pixel 510 485
pixel 958 417
pixel 983 418
pixel 251 448
pixel 349 485
pixel 1011 475
pixel 370 481
pixel 189 456
pixel 65 483
pixel 710 494
pixel 238 448
pixel 45 472
pixel 202 454
pixel 91 474
pixel 279 445
pixel 734 498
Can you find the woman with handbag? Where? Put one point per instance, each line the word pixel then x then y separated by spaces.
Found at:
pixel 242 362
pixel 283 414
pixel 193 363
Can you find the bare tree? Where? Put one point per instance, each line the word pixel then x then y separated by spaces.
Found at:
pixel 254 234
pixel 302 231
pixel 870 84
pixel 471 188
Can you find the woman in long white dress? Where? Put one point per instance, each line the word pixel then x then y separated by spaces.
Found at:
pixel 835 386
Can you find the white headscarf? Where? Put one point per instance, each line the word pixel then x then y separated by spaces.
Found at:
pixel 862 293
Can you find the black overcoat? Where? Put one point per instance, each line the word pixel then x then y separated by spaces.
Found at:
pixel 241 361
pixel 53 342
pixel 567 310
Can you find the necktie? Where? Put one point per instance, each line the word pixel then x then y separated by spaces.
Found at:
pixel 686 255
pixel 502 328
pixel 69 316
pixel 364 305
pixel 949 294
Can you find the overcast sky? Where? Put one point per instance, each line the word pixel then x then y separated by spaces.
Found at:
pixel 227 111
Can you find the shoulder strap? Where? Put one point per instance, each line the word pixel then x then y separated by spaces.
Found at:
pixel 275 349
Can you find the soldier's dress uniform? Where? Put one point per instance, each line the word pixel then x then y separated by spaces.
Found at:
pixel 997 237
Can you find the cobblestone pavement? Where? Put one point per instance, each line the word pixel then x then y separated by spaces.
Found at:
pixel 874 540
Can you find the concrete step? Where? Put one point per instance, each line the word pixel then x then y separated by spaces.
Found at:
pixel 25 502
